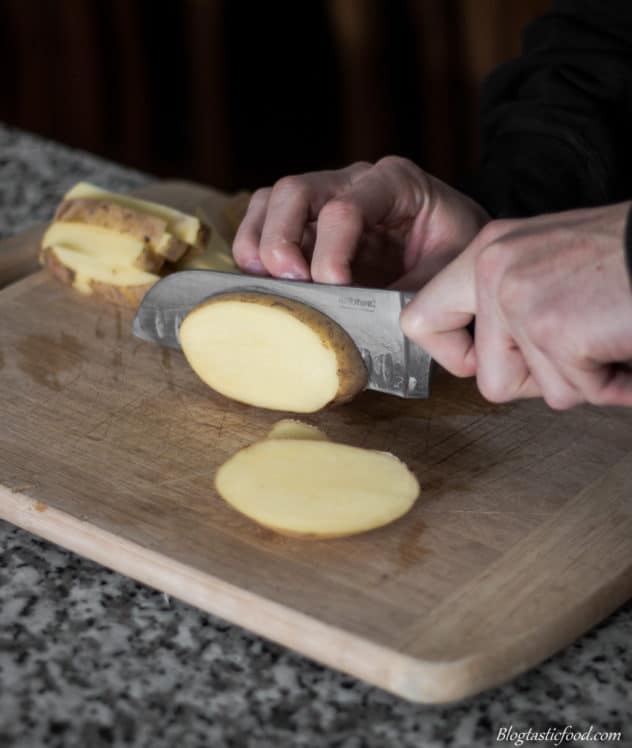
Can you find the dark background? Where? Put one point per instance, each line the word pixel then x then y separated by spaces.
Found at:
pixel 236 94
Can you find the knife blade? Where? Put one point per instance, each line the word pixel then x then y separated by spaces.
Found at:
pixel 395 365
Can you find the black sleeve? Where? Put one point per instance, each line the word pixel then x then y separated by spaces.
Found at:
pixel 557 121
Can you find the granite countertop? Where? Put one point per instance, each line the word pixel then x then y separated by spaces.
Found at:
pixel 89 658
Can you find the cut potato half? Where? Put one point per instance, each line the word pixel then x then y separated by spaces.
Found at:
pixel 124 286
pixel 288 428
pixel 316 488
pixel 108 246
pixel 183 226
pixel 271 352
pixel 150 230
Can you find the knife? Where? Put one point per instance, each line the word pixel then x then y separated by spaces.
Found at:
pixel 395 365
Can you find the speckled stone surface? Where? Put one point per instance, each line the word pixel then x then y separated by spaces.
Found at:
pixel 89 658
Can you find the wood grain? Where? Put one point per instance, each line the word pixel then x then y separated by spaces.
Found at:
pixel 522 539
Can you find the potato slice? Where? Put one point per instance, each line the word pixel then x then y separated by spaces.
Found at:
pixel 185 227
pixel 124 286
pixel 288 428
pixel 106 245
pixel 271 352
pixel 216 255
pixel 150 230
pixel 222 223
pixel 315 488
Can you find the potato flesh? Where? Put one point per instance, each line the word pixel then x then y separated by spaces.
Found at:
pixel 262 355
pixel 288 428
pixel 316 488
pixel 183 226
pixel 88 270
pixel 108 246
pixel 150 230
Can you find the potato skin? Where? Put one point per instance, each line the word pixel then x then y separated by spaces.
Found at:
pixel 201 240
pixel 109 215
pixel 112 216
pixel 59 271
pixel 126 296
pixel 308 535
pixel 352 373
pixel 149 261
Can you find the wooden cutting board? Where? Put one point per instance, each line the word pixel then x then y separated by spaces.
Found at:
pixel 522 539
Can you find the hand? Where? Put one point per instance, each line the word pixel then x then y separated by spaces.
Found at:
pixel 373 224
pixel 553 309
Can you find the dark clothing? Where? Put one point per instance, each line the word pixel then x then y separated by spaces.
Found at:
pixel 557 121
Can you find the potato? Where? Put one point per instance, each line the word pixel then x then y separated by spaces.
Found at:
pixel 120 285
pixel 108 246
pixel 216 255
pixel 148 229
pixel 272 352
pixel 184 227
pixel 291 429
pixel 222 224
pixel 316 488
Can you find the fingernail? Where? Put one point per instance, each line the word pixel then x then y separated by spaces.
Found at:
pixel 333 278
pixel 293 275
pixel 255 266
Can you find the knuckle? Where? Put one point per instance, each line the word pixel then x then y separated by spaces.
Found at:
pixel 489 233
pixel 340 211
pixel 260 196
pixel 290 186
pixel 359 166
pixel 494 230
pixel 513 295
pixel 393 162
pixel 490 263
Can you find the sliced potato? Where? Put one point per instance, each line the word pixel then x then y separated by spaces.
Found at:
pixel 316 488
pixel 148 229
pixel 288 428
pixel 272 352
pixel 216 255
pixel 124 286
pixel 222 224
pixel 108 246
pixel 185 227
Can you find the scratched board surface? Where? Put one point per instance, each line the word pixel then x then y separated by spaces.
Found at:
pixel 520 542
